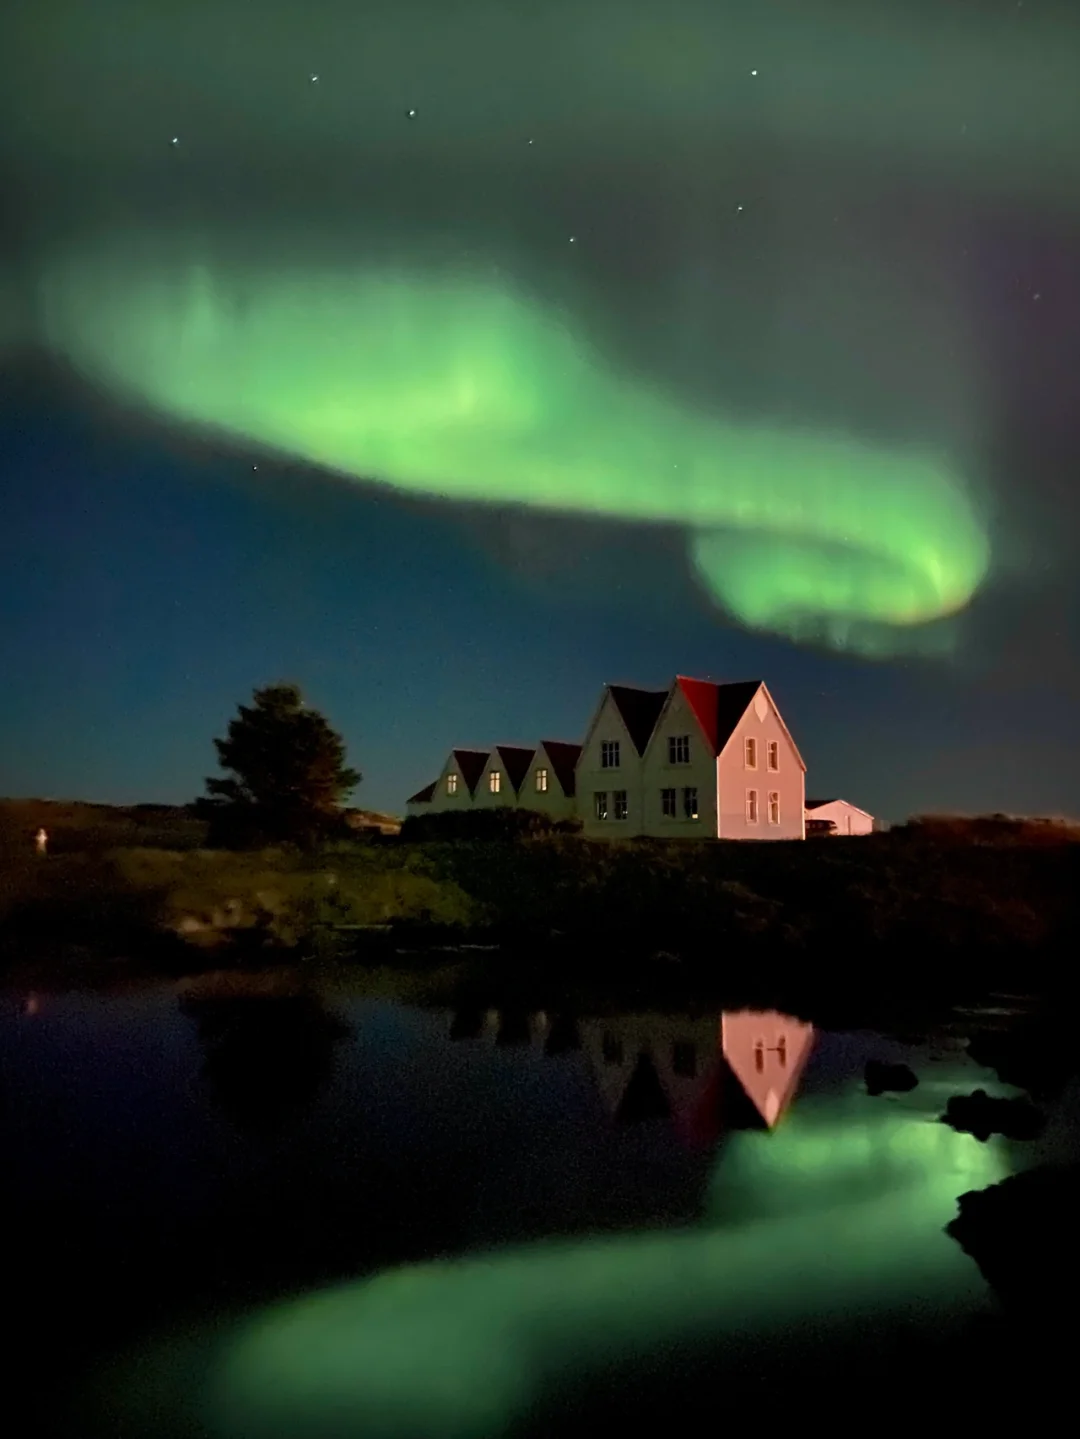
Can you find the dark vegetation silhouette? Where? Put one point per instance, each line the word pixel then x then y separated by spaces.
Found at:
pixel 286 778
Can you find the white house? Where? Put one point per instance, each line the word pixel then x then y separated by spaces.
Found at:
pixel 502 777
pixel 550 784
pixel 696 760
pixel 837 816
pixel 456 786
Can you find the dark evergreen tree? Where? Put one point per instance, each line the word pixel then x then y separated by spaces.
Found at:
pixel 287 775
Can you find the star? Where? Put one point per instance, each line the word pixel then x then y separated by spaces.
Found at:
pixel 314 79
pixel 753 72
pixel 573 239
pixel 738 207
pixel 411 114
pixel 175 140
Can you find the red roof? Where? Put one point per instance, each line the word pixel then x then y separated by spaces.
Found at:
pixel 640 709
pixel 718 707
pixel 564 757
pixel 471 763
pixel 425 795
pixel 516 760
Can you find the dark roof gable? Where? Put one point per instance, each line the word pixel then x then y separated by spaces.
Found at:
pixel 640 709
pixel 471 763
pixel 515 761
pixel 564 757
pixel 425 795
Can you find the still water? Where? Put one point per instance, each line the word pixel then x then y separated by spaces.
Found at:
pixel 254 1218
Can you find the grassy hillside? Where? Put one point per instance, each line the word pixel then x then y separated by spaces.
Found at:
pixel 996 893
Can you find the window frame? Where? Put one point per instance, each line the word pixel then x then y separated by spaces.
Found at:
pixel 620 800
pixel 752 805
pixel 673 812
pixel 452 782
pixel 772 756
pixel 600 803
pixel 610 754
pixel 773 805
pixel 677 742
pixel 541 780
pixel 494 781
pixel 687 791
pixel 750 752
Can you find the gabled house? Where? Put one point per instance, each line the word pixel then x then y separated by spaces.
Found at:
pixel 550 781
pixel 502 776
pixel 608 782
pixel 837 816
pixel 699 760
pixel 456 786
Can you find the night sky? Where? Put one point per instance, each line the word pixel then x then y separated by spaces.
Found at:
pixel 452 359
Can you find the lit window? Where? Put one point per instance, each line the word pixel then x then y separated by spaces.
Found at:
pixel 600 808
pixel 613 1049
pixel 541 781
pixel 759 1055
pixel 751 753
pixel 667 803
pixel 689 802
pixel 773 752
pixel 609 754
pixel 751 806
pixel 619 801
pixel 678 749
pixel 774 806
pixel 494 781
pixel 451 784
pixel 684 1058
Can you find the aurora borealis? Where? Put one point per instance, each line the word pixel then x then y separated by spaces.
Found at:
pixel 726 338
pixel 446 385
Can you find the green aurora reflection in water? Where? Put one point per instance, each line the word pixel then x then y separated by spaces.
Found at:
pixel 829 1231
pixel 457 385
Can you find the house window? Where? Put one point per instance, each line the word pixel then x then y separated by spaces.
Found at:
pixel 613 1049
pixel 759 1055
pixel 451 784
pixel 689 802
pixel 667 803
pixel 751 806
pixel 684 1058
pixel 773 753
pixel 774 806
pixel 600 809
pixel 541 781
pixel 495 781
pixel 619 800
pixel 751 753
pixel 609 754
pixel 678 749
pixel 781 1051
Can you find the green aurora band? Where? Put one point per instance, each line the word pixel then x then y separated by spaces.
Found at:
pixel 454 384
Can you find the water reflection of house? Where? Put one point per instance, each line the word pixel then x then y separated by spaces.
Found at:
pixel 707 1074
pixel 738 1069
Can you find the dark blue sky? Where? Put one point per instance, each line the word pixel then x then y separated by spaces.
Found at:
pixel 881 238
pixel 146 588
